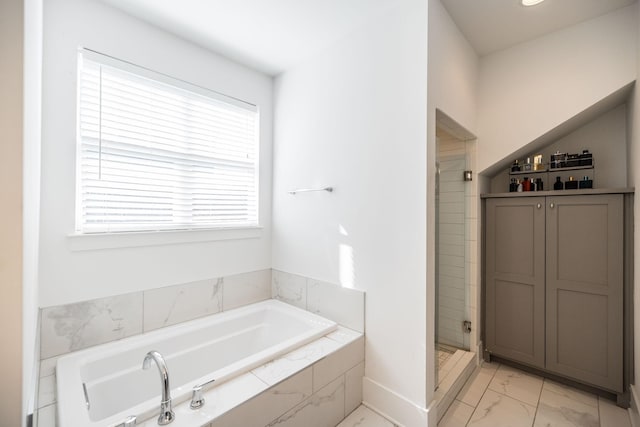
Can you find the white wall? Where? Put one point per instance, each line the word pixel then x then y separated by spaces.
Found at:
pixel 605 137
pixel 453 70
pixel 354 117
pixel 11 121
pixel 67 275
pixel 31 193
pixel 529 89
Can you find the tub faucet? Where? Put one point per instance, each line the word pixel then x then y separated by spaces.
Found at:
pixel 166 414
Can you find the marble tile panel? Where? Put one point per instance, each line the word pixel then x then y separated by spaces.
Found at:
pixel 46 417
pixel 353 388
pixel 342 305
pixel 270 404
pixel 46 391
pixel 517 384
pixel 336 364
pixel 218 401
pixel 180 303
pixel 365 417
pixel 498 410
pixel 80 325
pixel 285 366
pixel 612 415
pixel 325 408
pixel 48 366
pixel 563 406
pixel 246 288
pixel 476 385
pixel 344 335
pixel 457 415
pixel 289 288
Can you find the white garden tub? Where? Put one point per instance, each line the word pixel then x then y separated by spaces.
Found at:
pixel 217 347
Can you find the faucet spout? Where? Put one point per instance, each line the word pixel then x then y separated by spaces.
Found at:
pixel 166 414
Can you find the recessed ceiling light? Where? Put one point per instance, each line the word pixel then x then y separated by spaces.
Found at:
pixel 531 2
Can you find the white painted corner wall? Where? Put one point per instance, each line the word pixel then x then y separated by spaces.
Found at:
pixel 32 129
pixel 354 117
pixel 67 275
pixel 529 89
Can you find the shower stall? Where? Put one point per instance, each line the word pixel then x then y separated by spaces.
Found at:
pixel 455 250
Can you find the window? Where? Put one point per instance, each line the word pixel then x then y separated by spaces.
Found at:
pixel 156 153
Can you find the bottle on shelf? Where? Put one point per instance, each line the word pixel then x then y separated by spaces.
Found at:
pixel 571 184
pixel 539 184
pixel 558 185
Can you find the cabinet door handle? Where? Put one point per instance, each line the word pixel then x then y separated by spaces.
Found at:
pixel 539 206
pixel 552 206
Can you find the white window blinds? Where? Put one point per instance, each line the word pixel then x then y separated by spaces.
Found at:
pixel 157 153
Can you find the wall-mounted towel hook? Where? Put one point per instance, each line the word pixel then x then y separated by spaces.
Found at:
pixel 307 190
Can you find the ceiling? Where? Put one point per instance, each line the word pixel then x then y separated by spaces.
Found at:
pixel 274 35
pixel 267 35
pixel 492 25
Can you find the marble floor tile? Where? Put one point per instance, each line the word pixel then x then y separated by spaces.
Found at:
pixel 612 415
pixel 564 406
pixel 498 410
pixel 477 384
pixel 457 415
pixel 365 417
pixel 517 384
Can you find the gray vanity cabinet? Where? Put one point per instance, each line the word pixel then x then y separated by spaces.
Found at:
pixel 554 270
pixel 515 258
pixel 585 266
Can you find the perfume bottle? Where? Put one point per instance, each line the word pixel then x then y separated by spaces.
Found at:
pixel 558 185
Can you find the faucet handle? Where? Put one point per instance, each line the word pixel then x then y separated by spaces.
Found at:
pixel 197 400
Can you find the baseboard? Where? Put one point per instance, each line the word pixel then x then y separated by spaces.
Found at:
pixel 634 415
pixel 394 407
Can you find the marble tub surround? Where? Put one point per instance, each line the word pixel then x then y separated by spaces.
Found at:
pixel 499 396
pixel 84 324
pixel 281 392
pixel 342 305
pixel 175 304
pixel 292 396
pixel 76 326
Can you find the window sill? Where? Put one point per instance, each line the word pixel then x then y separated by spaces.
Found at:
pixel 97 241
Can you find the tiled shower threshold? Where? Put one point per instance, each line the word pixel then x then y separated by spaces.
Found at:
pixel 451 377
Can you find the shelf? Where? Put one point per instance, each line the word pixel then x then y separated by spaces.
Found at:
pixel 560 192
pixel 572 168
pixel 528 172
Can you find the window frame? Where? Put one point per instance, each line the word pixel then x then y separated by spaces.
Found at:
pixel 182 232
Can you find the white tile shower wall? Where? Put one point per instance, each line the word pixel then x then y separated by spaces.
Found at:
pixel 452 289
pixel 80 325
pixel 342 305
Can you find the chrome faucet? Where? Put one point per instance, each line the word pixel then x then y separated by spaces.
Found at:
pixel 166 414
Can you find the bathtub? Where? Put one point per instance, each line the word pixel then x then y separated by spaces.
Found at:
pixel 103 385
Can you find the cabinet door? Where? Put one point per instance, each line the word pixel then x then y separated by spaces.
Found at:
pixel 514 272
pixel 584 288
